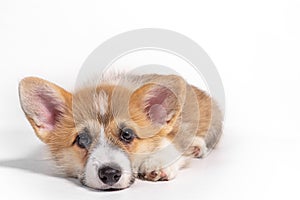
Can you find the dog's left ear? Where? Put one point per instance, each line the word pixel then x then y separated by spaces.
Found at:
pixel 44 104
pixel 158 102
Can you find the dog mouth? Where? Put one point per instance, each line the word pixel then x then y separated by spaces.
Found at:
pixel 113 188
pixel 106 187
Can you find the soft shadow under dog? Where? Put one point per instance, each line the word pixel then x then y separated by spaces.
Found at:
pixel 37 162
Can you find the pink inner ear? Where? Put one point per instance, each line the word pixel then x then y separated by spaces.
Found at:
pixel 158 96
pixel 158 114
pixel 156 104
pixel 47 110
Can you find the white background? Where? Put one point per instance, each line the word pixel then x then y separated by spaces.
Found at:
pixel 255 46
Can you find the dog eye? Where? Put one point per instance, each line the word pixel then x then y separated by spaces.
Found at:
pixel 127 135
pixel 83 140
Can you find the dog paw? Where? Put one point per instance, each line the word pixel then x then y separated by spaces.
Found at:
pixel 196 151
pixel 165 174
pixel 198 148
pixel 159 170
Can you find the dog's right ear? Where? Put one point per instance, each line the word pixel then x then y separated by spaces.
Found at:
pixel 44 105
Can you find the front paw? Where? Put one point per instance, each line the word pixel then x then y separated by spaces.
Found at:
pixel 157 174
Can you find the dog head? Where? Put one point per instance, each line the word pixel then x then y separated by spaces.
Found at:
pixel 97 133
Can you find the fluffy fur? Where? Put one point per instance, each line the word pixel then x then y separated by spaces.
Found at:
pixel 172 122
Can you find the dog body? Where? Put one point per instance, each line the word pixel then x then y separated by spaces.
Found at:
pixel 123 127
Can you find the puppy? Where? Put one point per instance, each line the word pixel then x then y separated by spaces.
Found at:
pixel 122 128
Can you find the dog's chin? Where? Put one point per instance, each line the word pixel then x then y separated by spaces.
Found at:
pixel 108 188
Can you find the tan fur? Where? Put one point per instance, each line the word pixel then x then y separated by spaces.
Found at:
pixel 194 114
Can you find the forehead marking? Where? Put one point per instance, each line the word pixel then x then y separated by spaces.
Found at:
pixel 102 135
pixel 102 103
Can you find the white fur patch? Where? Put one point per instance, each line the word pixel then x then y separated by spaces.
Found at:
pixel 166 159
pixel 101 102
pixel 106 153
pixel 102 135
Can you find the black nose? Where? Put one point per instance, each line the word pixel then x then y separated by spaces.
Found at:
pixel 109 174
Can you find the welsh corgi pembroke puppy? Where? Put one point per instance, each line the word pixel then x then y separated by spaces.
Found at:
pixel 124 127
